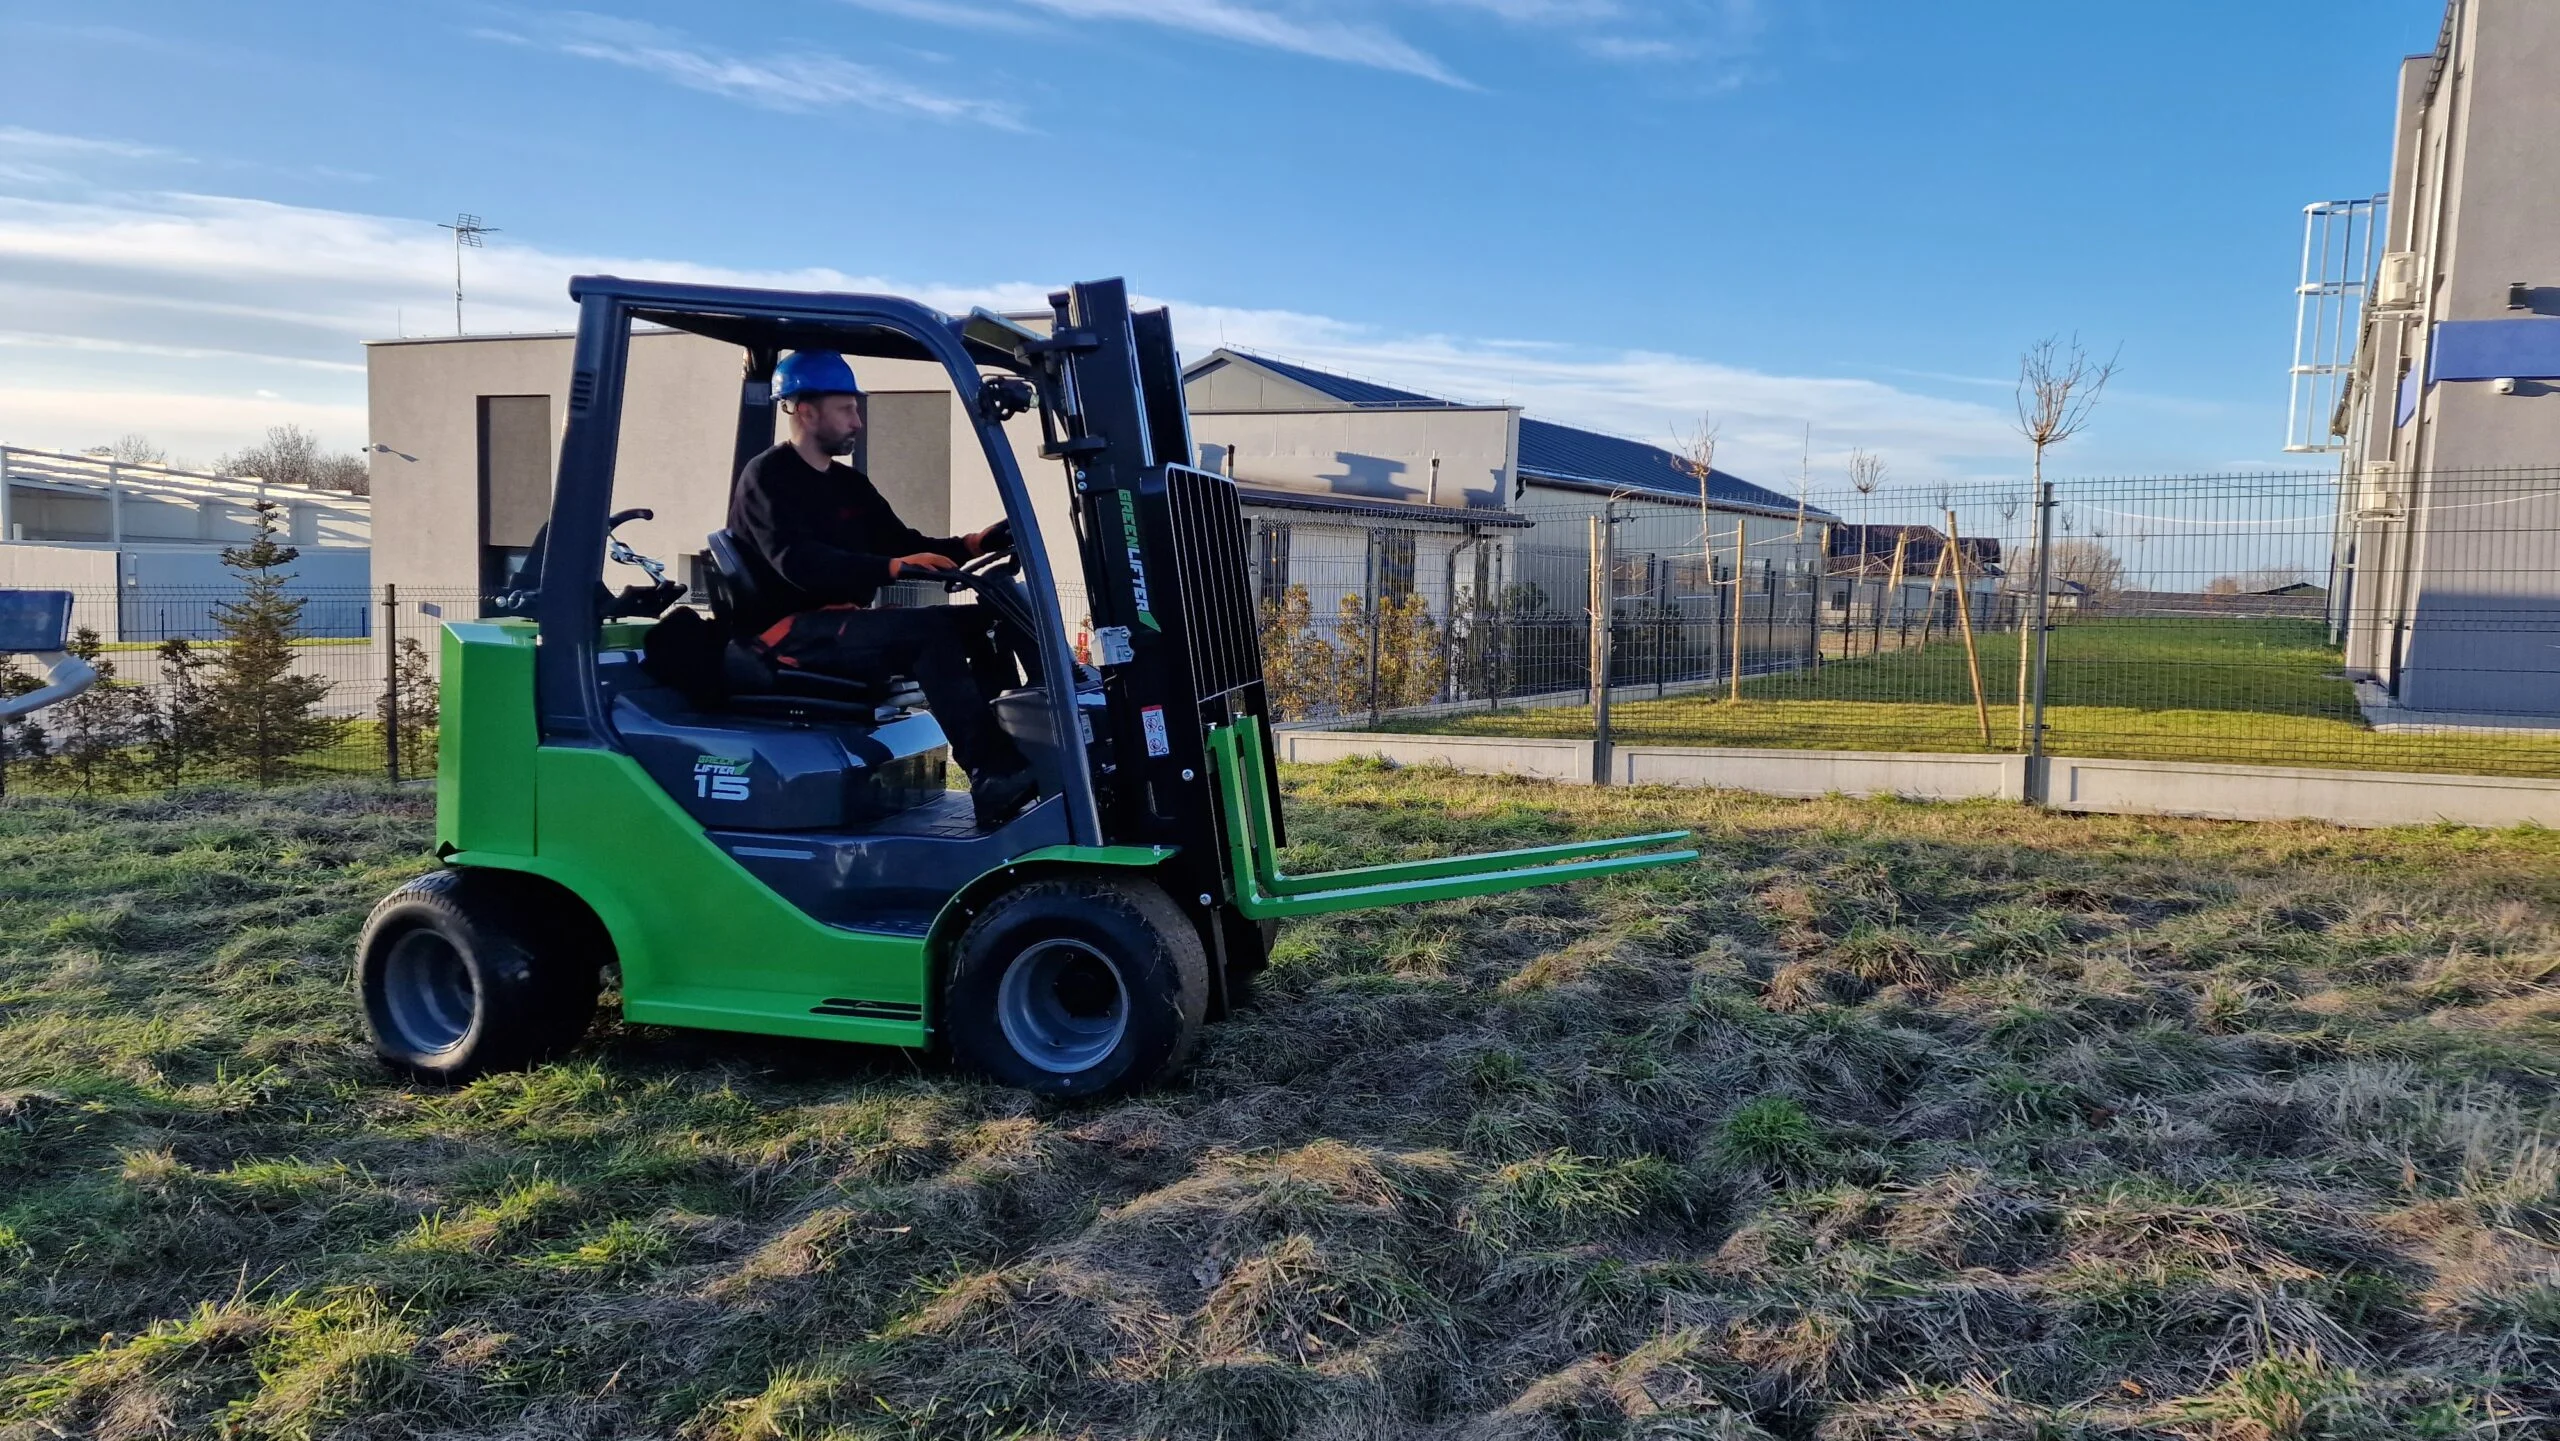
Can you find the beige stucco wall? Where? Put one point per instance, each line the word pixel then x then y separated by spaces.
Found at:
pixel 679 422
pixel 1370 454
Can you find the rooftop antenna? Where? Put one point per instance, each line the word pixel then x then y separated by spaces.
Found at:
pixel 467 230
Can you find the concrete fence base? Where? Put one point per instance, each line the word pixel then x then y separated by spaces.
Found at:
pixel 1917 774
pixel 1546 760
pixel 2124 787
pixel 2288 793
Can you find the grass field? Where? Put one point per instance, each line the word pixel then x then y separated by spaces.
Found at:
pixel 356 754
pixel 1884 1121
pixel 2263 692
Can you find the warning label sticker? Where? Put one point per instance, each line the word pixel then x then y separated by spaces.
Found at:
pixel 1114 641
pixel 1158 743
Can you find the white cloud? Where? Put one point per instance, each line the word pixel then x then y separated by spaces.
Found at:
pixel 195 427
pixel 1321 36
pixel 1645 395
pixel 944 12
pixel 195 303
pixel 1717 33
pixel 23 141
pixel 791 83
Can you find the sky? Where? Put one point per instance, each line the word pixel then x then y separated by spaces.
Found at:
pixel 1851 215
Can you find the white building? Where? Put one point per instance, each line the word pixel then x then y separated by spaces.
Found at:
pixel 140 546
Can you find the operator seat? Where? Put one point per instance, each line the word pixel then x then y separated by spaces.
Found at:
pixel 731 587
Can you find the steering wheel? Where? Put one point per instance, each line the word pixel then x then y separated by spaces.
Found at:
pixel 640 600
pixel 997 563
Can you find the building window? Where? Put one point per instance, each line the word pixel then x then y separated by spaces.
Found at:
pixel 515 484
pixel 1271 564
pixel 1395 563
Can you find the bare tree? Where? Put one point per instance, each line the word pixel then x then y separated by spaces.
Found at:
pixel 132 448
pixel 1697 456
pixel 1696 452
pixel 291 455
pixel 2090 566
pixel 2058 389
pixel 1866 472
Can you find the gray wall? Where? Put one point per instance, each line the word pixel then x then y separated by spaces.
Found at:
pixel 150 593
pixel 2456 572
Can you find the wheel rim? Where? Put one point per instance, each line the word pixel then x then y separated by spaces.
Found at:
pixel 427 992
pixel 1063 1006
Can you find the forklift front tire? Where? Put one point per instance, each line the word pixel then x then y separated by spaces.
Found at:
pixel 461 977
pixel 1078 989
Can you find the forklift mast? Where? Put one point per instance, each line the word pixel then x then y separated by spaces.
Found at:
pixel 1163 544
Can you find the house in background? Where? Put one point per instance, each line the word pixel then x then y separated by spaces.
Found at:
pixel 1497 504
pixel 1891 580
pixel 140 546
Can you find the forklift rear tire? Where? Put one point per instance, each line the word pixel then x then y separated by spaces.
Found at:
pixel 464 972
pixel 1078 989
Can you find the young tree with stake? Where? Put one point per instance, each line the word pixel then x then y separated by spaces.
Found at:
pixel 2058 388
pixel 1866 472
pixel 1697 456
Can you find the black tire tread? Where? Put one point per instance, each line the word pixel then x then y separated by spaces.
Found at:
pixel 529 942
pixel 1140 901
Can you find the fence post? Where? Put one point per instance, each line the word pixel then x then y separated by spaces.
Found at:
pixel 2037 790
pixel 1604 531
pixel 391 680
pixel 1813 584
pixel 1369 587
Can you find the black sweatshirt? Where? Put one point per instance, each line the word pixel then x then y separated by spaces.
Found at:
pixel 817 538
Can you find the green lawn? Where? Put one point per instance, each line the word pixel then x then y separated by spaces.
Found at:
pixel 2245 692
pixel 1883 1121
pixel 357 753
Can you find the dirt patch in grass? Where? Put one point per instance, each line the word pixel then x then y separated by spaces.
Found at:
pixel 1885 1120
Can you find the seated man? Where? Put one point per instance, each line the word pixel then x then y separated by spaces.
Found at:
pixel 822 542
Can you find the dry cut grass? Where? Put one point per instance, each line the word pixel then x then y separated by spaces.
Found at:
pixel 1885 1121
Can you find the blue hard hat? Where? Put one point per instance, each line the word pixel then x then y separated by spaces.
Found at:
pixel 813 372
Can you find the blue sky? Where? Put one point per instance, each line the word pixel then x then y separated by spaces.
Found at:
pixel 1843 212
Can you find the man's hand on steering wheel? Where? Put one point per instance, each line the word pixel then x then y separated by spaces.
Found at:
pixel 995 538
pixel 919 563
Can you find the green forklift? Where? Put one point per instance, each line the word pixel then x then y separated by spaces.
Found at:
pixel 780 855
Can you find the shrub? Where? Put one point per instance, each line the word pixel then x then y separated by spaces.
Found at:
pixel 260 709
pixel 414 715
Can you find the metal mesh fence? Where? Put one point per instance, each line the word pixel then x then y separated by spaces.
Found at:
pixel 2392 622
pixel 351 689
pixel 1371 620
pixel 2395 622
